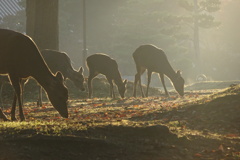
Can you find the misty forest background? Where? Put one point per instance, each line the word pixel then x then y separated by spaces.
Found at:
pixel 118 27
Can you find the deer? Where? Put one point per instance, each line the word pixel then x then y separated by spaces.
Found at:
pixel 20 59
pixel 100 63
pixel 60 61
pixel 153 59
pixel 56 61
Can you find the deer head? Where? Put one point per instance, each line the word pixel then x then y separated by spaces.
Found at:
pixel 78 79
pixel 178 83
pixel 122 88
pixel 58 99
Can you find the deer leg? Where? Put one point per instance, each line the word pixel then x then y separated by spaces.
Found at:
pixel 112 94
pixel 142 70
pixel 20 101
pixel 149 73
pixel 137 76
pixel 140 85
pixel 16 83
pixel 39 102
pixel 1 90
pixel 90 78
pixel 13 117
pixel 163 83
pixel 90 87
pixel 22 83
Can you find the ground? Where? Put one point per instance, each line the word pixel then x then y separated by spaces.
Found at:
pixel 203 125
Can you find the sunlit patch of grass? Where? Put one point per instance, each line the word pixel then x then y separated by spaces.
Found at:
pixel 196 124
pixel 35 127
pixel 174 112
pixel 210 85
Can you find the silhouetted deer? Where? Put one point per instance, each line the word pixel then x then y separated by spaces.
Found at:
pixel 56 61
pixel 60 61
pixel 102 63
pixel 20 59
pixel 153 59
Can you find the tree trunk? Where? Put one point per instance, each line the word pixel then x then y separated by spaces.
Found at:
pixel 85 50
pixel 42 23
pixel 196 38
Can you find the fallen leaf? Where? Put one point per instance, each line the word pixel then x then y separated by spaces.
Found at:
pixel 220 148
pixel 232 135
pixel 198 155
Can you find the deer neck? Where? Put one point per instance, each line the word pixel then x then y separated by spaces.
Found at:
pixel 44 77
pixel 170 73
pixel 117 79
pixel 69 74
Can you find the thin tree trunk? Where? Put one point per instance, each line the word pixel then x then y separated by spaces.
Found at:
pixel 196 38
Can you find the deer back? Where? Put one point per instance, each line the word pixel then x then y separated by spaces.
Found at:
pixel 57 61
pixel 152 58
pixel 19 54
pixel 60 61
pixel 103 64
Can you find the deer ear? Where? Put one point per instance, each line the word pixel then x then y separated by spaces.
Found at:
pixel 59 76
pixel 80 70
pixel 179 73
pixel 125 82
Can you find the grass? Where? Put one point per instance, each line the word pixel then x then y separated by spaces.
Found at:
pixel 202 125
pixel 209 85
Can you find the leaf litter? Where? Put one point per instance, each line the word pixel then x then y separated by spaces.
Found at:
pixel 202 126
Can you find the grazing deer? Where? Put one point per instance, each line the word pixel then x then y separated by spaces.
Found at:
pixel 153 59
pixel 60 61
pixel 56 61
pixel 20 58
pixel 102 63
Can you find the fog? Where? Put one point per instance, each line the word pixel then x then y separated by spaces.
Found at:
pixel 118 27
